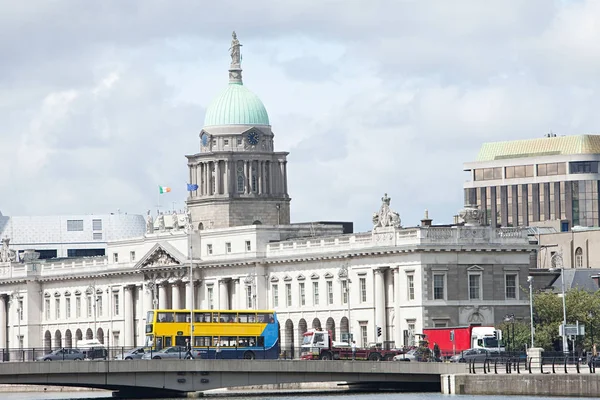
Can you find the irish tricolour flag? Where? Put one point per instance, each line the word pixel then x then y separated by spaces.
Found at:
pixel 164 189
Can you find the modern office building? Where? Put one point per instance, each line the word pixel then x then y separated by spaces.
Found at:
pixel 519 183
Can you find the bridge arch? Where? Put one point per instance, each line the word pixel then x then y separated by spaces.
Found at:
pixel 89 334
pixel 302 328
pixel 100 335
pixel 57 339
pixel 78 336
pixel 330 326
pixel 68 339
pixel 344 328
pixel 316 324
pixel 47 342
pixel 288 346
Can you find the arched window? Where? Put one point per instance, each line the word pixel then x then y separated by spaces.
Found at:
pixel 200 226
pixel 240 183
pixel 579 258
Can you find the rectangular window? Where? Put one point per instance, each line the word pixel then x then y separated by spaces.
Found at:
pixel 248 246
pixel 77 307
pixel 475 286
pixel 97 236
pixel 209 249
pixel 275 296
pixel 411 333
pixel 363 336
pixel 344 292
pixel 239 141
pixel 116 303
pixel 20 310
pixel 115 257
pixel 302 294
pixel 437 324
pixel 96 224
pixel 315 293
pixel 67 308
pixel 57 308
pixel 99 310
pixel 439 281
pixel 410 284
pixel 74 225
pixel 47 307
pixel 89 307
pixel 288 294
pixel 249 302
pixel 228 247
pixel 511 286
pixel 329 292
pixel 225 142
pixel 210 296
pixel 132 256
pixel 363 290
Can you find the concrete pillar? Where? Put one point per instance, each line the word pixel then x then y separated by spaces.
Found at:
pixel 270 172
pixel 198 291
pixel 251 176
pixel 176 296
pixel 217 177
pixel 246 177
pixel 226 182
pixel 284 177
pixel 380 305
pixel 238 300
pixel 162 295
pixel 224 294
pixel 3 335
pixel 397 327
pixel 128 315
pixel 189 292
pixel 260 177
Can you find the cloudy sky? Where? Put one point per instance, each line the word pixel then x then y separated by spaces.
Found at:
pixel 100 101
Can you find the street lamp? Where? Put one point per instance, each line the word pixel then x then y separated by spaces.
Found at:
pixel 92 289
pixel 592 315
pixel 344 276
pixel 530 280
pixel 557 261
pixel 511 337
pixel 16 298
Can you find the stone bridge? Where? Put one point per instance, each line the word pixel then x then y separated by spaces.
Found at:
pixel 174 378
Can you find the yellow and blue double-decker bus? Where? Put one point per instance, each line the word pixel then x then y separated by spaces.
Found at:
pixel 234 334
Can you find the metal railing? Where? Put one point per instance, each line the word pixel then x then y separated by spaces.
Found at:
pixel 544 365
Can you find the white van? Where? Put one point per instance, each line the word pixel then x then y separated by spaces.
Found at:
pixel 92 349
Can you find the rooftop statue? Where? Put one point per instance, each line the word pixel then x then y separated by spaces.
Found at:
pixel 161 222
pixel 386 216
pixel 234 50
pixel 175 221
pixel 149 223
pixel 6 254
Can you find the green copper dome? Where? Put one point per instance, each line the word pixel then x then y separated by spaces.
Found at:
pixel 236 106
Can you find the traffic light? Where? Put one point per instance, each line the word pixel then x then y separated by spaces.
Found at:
pixel 378 331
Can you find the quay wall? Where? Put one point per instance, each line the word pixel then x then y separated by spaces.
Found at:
pixel 565 385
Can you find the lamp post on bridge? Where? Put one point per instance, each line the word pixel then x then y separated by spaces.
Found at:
pixel 344 276
pixel 557 265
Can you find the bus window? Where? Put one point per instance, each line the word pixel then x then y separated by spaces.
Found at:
pixel 215 340
pixel 159 342
pixel 202 341
pixel 149 341
pixel 150 317
pixel 182 317
pixel 180 340
pixel 261 341
pixel 202 317
pixel 266 318
pixel 227 317
pixel 229 341
pixel 168 341
pixel 243 317
pixel 148 328
pixel 165 317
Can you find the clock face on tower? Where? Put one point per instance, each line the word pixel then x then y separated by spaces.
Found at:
pixel 252 138
pixel 204 139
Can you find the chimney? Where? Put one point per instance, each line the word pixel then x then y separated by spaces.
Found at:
pixel 426 221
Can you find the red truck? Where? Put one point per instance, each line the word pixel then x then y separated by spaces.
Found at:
pixel 454 340
pixel 319 345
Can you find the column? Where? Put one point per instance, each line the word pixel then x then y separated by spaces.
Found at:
pixel 260 177
pixel 3 335
pixel 239 295
pixel 128 316
pixel 198 179
pixel 210 178
pixel 176 296
pixel 147 300
pixel 226 177
pixel 270 169
pixel 204 179
pixel 380 305
pixel 284 177
pixel 224 294
pixel 162 295
pixel 397 326
pixel 189 295
pixel 494 207
pixel 198 291
pixel 250 178
pixel 247 188
pixel 217 177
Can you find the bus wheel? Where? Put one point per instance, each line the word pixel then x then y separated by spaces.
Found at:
pixel 375 357
pixel 249 355
pixel 326 356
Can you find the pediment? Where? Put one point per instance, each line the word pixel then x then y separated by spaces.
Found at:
pixel 77 292
pixel 57 294
pixel 274 279
pixel 161 255
pixel 47 294
pixel 314 276
pixel 328 275
pixel 475 268
pixel 300 277
pixel 287 278
pixel 67 293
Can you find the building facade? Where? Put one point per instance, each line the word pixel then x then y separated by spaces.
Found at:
pixel 521 182
pixel 236 249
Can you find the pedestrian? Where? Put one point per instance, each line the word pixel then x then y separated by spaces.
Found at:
pixel 188 349
pixel 436 352
pixel 353 350
pixel 218 352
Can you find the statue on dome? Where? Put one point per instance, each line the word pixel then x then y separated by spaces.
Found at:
pixel 386 216
pixel 149 223
pixel 234 50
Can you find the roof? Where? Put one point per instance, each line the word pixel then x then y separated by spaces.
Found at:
pixel 546 146
pixel 577 278
pixel 236 105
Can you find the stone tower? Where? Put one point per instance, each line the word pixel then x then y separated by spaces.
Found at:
pixel 241 179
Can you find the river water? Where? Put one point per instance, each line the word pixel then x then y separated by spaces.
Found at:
pixel 320 396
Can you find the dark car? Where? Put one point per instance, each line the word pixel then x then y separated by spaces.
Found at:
pixel 474 355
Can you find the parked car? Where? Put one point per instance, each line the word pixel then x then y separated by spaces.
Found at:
pixel 410 355
pixel 62 354
pixel 474 355
pixel 167 352
pixel 131 354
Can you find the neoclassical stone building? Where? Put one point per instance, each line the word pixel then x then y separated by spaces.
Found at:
pixel 243 253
